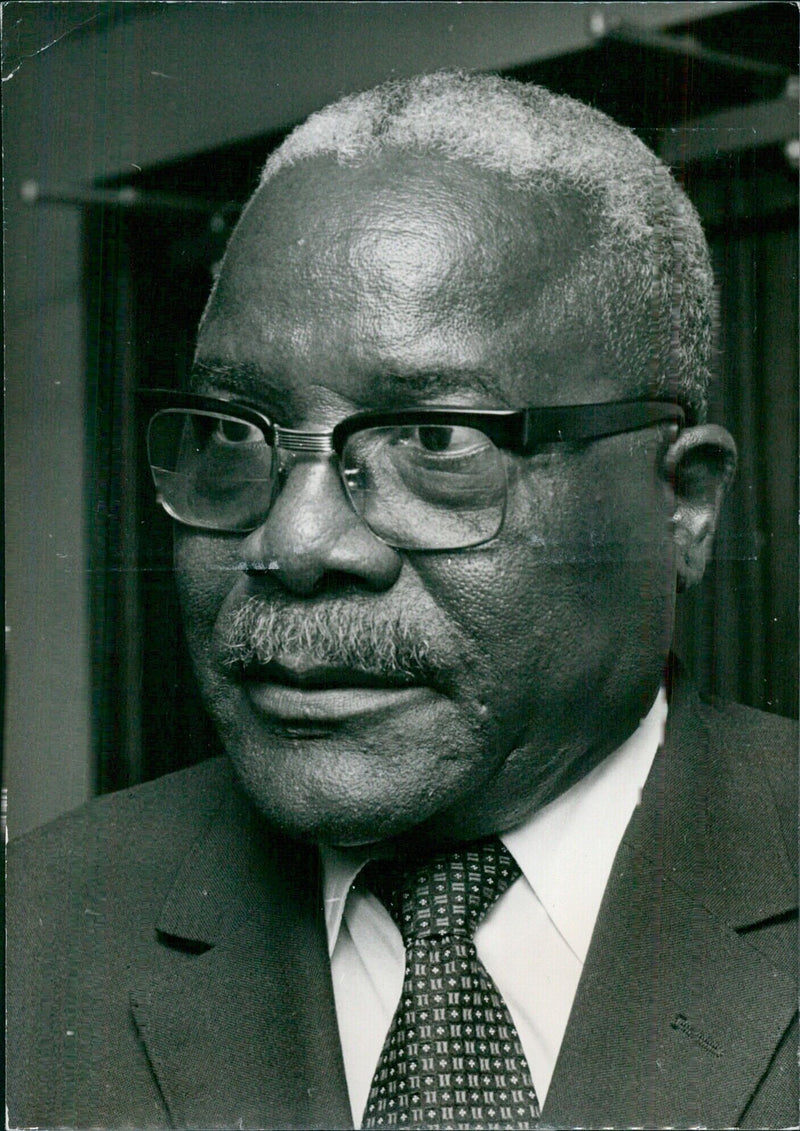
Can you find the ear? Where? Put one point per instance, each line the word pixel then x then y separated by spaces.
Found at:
pixel 700 464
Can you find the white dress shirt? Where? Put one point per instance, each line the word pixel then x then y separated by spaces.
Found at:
pixel 533 941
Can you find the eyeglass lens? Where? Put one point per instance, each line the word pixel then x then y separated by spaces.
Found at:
pixel 210 470
pixel 427 487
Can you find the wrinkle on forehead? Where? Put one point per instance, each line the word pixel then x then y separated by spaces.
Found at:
pixel 410 224
pixel 405 262
pixel 362 278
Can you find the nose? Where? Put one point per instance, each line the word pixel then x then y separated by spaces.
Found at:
pixel 312 539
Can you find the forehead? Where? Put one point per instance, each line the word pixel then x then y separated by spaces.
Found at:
pixel 405 277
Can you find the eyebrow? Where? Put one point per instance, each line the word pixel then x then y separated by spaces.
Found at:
pixel 246 380
pixel 388 387
pixel 428 382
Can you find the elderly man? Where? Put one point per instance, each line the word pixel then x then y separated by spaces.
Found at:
pixel 477 856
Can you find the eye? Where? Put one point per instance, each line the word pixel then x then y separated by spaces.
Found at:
pixel 234 432
pixel 435 438
pixel 448 441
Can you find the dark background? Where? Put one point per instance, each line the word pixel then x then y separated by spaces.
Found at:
pixel 713 96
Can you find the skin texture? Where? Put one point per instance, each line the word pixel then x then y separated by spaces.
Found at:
pixel 420 281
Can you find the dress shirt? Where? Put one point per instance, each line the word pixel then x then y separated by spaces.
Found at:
pixel 534 939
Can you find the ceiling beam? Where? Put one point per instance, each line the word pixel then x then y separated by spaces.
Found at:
pixel 754 126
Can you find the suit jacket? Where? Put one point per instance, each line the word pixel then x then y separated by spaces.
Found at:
pixel 168 963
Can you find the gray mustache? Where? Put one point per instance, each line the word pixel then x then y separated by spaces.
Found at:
pixel 338 636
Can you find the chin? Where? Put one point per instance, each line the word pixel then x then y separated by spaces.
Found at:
pixel 327 821
pixel 337 809
pixel 362 781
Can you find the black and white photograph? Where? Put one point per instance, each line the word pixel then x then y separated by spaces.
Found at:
pixel 340 790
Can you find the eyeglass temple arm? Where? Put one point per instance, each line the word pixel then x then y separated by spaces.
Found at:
pixel 559 424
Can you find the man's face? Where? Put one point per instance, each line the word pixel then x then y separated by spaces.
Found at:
pixel 413 282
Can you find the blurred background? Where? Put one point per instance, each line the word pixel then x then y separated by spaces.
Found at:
pixel 133 132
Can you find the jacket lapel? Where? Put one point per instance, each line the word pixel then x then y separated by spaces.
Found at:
pixel 238 1020
pixel 677 1016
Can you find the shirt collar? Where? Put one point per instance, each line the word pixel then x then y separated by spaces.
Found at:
pixel 565 850
pixel 340 866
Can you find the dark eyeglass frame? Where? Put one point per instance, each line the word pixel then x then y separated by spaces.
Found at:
pixel 521 431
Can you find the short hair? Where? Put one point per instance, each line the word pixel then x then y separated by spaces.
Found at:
pixel 656 297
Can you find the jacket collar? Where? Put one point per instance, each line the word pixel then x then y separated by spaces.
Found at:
pixel 222 879
pixel 238 1019
pixel 705 806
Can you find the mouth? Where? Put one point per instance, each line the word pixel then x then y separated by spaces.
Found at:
pixel 293 691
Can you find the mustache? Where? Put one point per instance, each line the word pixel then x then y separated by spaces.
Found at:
pixel 367 640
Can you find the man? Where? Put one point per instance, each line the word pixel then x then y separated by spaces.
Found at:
pixel 441 466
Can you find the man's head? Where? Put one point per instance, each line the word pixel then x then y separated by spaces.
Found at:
pixel 466 242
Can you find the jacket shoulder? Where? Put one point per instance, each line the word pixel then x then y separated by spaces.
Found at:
pixel 147 818
pixel 112 859
pixel 83 894
pixel 769 745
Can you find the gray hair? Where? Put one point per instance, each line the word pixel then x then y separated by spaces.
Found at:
pixel 656 298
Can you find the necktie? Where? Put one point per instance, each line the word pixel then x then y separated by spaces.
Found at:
pixel 452 1056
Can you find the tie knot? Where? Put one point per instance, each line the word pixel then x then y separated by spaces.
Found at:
pixel 445 894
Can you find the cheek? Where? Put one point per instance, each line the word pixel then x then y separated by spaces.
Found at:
pixel 579 579
pixel 204 573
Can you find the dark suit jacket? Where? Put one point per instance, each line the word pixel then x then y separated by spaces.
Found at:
pixel 168 964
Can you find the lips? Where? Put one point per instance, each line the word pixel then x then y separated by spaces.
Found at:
pixel 319 677
pixel 294 690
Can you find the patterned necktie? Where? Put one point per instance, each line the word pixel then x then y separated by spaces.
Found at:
pixel 452 1057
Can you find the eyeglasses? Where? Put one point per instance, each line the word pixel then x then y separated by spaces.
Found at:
pixel 421 478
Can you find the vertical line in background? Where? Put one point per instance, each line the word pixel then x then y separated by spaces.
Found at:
pixel 778 359
pixel 115 650
pixel 130 626
pixel 93 229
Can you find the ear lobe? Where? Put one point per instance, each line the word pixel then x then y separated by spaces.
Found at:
pixel 700 465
